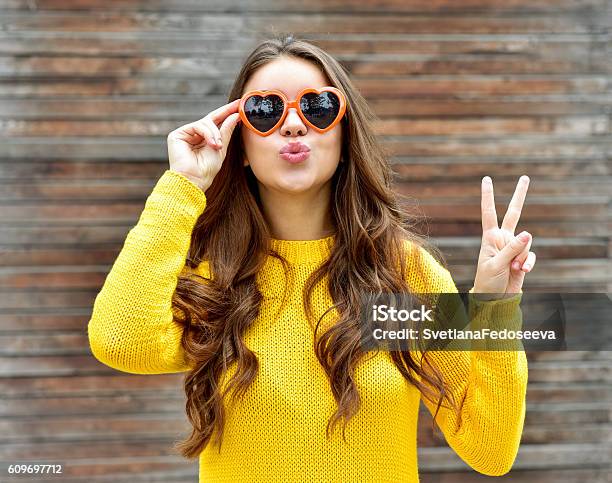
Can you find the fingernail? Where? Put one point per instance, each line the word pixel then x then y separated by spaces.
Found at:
pixel 524 236
pixel 527 266
pixel 516 265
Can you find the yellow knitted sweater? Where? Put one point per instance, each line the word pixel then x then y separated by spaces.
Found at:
pixel 277 431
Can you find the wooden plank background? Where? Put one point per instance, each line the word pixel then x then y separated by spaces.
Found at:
pixel 89 89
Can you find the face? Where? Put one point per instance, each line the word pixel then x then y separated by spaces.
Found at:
pixel 291 75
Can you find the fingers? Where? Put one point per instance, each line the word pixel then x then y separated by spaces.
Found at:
pixel 528 265
pixel 521 258
pixel 197 133
pixel 201 130
pixel 215 134
pixel 487 205
pixel 222 112
pixel 229 124
pixel 206 128
pixel 213 118
pixel 515 207
pixel 514 248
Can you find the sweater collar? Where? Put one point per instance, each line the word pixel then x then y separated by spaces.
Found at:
pixel 299 252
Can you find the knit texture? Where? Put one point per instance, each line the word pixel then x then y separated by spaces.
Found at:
pixel 277 431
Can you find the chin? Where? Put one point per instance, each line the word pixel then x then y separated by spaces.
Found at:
pixel 287 186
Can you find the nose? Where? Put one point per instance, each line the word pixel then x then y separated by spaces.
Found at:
pixel 293 124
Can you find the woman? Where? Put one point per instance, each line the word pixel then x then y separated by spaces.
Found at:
pixel 245 271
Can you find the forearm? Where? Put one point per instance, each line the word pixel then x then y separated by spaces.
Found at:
pixel 490 387
pixel 131 328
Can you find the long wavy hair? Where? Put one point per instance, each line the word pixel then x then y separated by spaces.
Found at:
pixel 234 238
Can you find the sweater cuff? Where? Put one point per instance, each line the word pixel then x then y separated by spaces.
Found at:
pixel 497 316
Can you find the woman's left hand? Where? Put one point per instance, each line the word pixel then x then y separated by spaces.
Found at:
pixel 504 258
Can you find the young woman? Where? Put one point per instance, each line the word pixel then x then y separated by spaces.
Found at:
pixel 245 271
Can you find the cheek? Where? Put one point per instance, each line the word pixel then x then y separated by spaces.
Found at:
pixel 255 146
pixel 332 143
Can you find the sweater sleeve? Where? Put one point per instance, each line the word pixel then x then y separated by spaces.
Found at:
pixel 131 327
pixel 488 385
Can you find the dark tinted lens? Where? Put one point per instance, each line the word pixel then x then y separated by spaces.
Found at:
pixel 263 112
pixel 320 109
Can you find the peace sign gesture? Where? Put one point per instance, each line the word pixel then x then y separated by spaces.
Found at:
pixel 504 258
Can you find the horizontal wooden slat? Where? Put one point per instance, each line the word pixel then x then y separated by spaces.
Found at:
pixel 411 6
pixel 127 427
pixel 558 270
pixel 568 392
pixel 520 476
pixel 27 287
pixel 35 43
pixel 457 253
pixel 487 106
pixel 59 451
pixel 545 196
pixel 42 366
pixel 45 301
pixel 530 456
pixel 79 277
pixel 138 147
pixel 22 84
pixel 586 208
pixel 407 169
pixel 566 128
pixel 435 169
pixel 359 64
pixel 103 213
pixel 553 22
pixel 516 146
pixel 129 424
pixel 125 212
pixel 86 406
pixel 55 343
pixel 113 384
pixel 558 229
pixel 182 108
pixel 464 251
pixel 67 235
pixel 117 383
pixel 167 469
pixel 569 356
pixel 554 434
pixel 594 371
pixel 138 400
pixel 22 256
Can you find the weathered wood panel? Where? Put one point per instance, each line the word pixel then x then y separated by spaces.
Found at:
pixel 89 90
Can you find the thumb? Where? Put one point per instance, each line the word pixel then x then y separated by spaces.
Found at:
pixel 514 248
pixel 227 128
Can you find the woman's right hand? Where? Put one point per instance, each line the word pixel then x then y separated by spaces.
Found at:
pixel 197 150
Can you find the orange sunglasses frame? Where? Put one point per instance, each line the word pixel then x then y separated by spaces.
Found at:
pixel 295 104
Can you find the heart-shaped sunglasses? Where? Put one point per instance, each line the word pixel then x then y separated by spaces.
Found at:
pixel 263 111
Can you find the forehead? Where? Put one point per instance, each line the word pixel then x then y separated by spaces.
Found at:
pixel 289 75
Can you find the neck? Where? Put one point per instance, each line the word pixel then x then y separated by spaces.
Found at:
pixel 298 216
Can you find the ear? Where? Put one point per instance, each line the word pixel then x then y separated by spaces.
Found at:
pixel 245 162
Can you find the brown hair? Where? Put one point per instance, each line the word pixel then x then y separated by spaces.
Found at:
pixel 233 237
